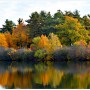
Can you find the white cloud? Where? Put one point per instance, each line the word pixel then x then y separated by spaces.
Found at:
pixel 13 9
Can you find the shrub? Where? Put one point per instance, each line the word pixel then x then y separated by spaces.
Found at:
pixel 5 53
pixel 22 54
pixel 60 54
pixel 79 53
pixel 40 54
pixel 12 54
pixel 72 54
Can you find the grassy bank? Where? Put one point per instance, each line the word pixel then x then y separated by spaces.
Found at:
pixel 63 54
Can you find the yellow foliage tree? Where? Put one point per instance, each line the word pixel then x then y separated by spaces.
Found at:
pixel 9 39
pixel 71 31
pixel 3 41
pixel 54 42
pixel 73 23
pixel 70 24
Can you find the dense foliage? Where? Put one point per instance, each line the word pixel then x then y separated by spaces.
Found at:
pixel 46 34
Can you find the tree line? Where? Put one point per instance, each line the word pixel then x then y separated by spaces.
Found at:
pixel 62 36
pixel 69 28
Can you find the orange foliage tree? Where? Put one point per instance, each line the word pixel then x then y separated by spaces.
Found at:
pixel 9 39
pixel 81 43
pixel 3 41
pixel 46 45
pixel 44 42
pixel 20 36
pixel 50 43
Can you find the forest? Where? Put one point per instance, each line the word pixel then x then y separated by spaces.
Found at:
pixel 64 36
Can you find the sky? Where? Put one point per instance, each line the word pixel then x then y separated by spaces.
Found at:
pixel 14 9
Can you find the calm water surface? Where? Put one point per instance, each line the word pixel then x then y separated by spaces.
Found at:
pixel 44 75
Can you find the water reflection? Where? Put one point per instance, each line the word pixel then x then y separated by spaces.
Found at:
pixel 43 75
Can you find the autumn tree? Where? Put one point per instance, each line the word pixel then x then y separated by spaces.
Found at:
pixel 71 31
pixel 54 42
pixel 3 41
pixel 20 36
pixel 44 42
pixel 45 45
pixel 8 37
pixel 49 43
pixel 81 43
pixel 35 42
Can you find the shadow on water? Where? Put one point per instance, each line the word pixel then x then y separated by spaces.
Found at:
pixel 44 75
pixel 3 66
pixel 71 67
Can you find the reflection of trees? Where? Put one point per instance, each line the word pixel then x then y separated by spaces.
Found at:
pixel 16 80
pixel 75 81
pixel 58 79
pixel 68 81
pixel 83 80
pixel 4 78
pixel 44 77
pixel 50 77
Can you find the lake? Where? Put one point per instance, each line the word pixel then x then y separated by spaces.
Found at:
pixel 44 75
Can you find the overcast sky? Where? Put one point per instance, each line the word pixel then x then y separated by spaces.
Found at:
pixel 14 9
